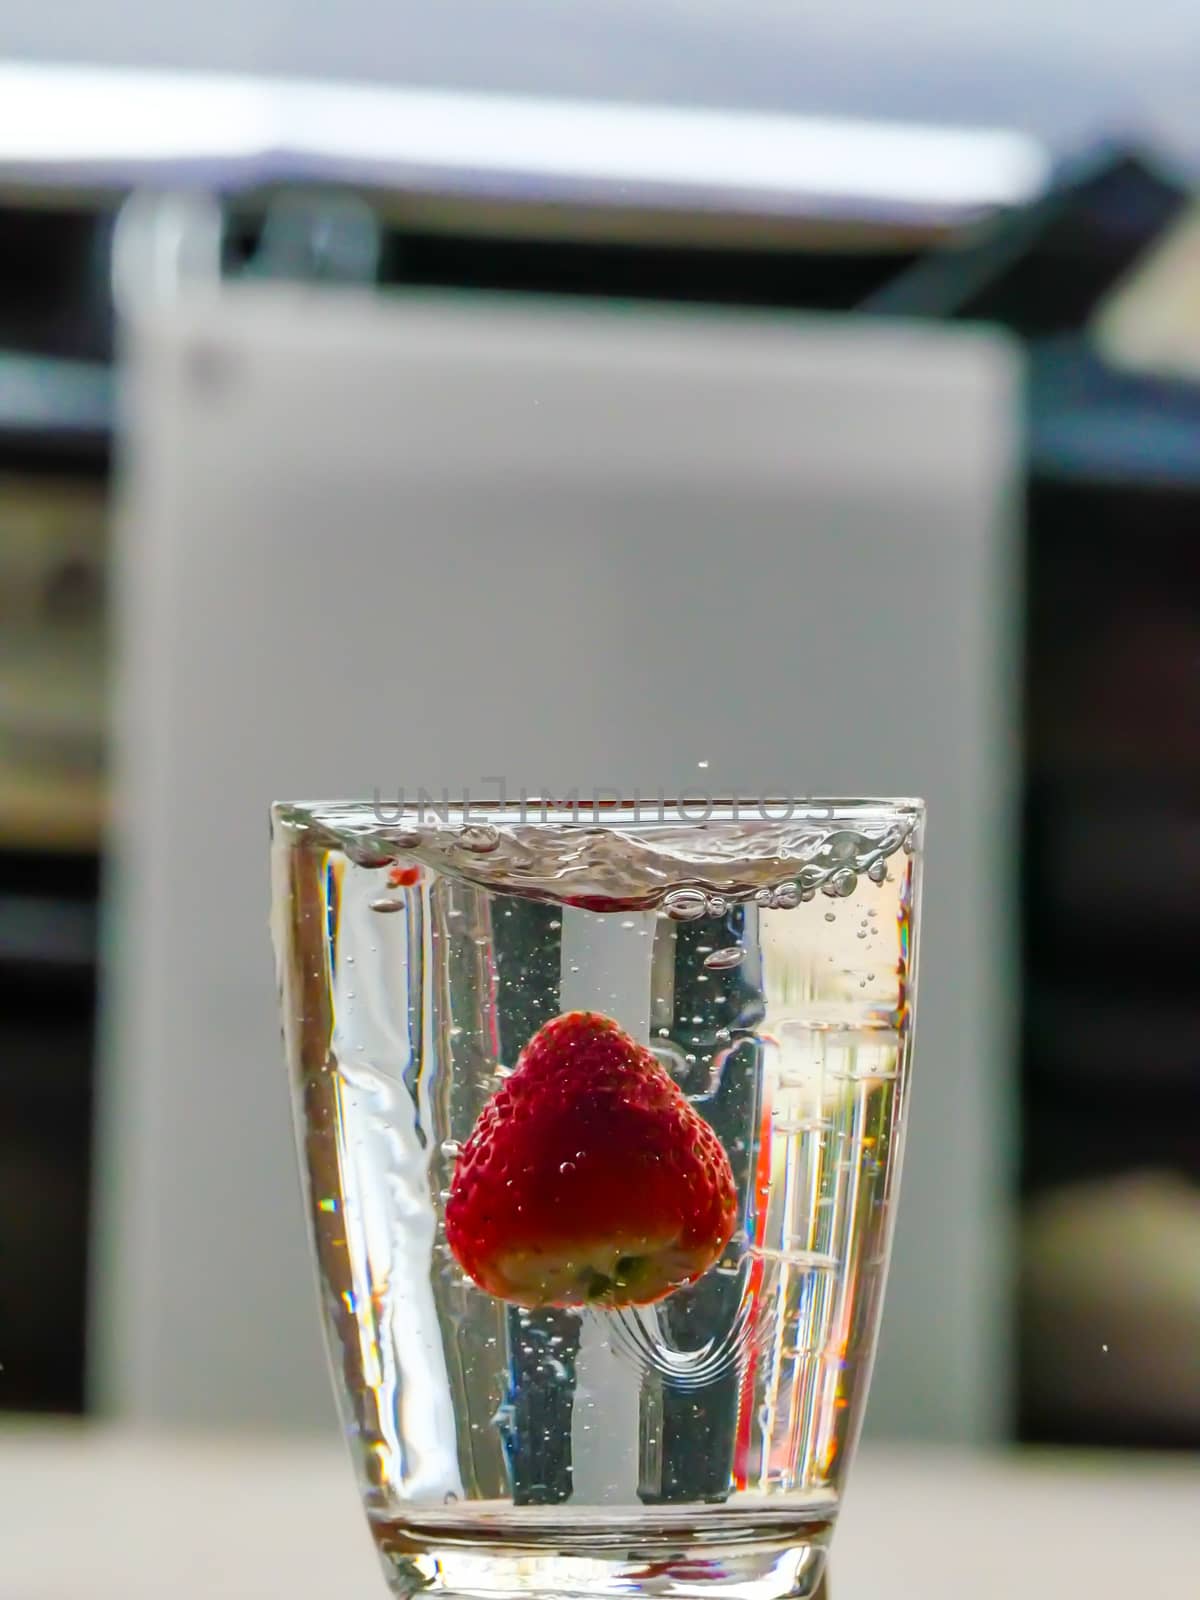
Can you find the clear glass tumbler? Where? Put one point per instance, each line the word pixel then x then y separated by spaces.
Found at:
pixel 600 1112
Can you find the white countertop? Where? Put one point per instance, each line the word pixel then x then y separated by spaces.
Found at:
pixel 118 1515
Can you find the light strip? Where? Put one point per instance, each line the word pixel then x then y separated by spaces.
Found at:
pixel 82 118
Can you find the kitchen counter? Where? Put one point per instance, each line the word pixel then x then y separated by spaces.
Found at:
pixel 121 1515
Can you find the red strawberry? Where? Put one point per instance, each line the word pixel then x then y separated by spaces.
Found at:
pixel 588 1178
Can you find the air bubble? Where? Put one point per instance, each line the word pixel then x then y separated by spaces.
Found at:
pixel 451 1149
pixel 731 956
pixel 566 1166
pixel 831 916
pixel 363 856
pixel 877 871
pixel 480 838
pixel 765 897
pixel 842 883
pixel 385 905
pixel 685 905
pixel 717 906
pixel 554 925
pixel 787 896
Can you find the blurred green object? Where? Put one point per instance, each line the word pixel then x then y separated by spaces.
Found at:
pixel 1110 1325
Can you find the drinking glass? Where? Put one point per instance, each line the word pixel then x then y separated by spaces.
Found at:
pixel 600 1112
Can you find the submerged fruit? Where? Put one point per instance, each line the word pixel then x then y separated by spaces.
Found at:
pixel 589 1178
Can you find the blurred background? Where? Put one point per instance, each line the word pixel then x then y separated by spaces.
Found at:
pixel 1009 189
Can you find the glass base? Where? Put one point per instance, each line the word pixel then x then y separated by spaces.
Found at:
pixel 744 1561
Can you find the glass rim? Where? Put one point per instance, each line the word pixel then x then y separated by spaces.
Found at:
pixel 609 801
pixel 595 810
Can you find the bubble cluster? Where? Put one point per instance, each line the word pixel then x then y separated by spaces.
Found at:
pixel 783 897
